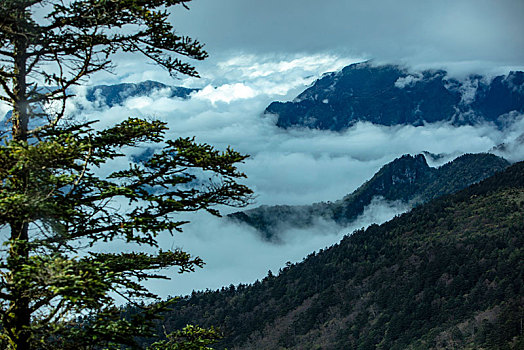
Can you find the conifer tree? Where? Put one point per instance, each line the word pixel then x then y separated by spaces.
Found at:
pixel 57 288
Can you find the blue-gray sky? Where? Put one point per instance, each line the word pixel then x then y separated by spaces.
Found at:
pixel 412 31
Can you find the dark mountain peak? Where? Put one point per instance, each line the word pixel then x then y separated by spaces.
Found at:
pixel 397 180
pixel 391 95
pixel 405 169
pixel 515 79
pixel 469 157
pixel 434 156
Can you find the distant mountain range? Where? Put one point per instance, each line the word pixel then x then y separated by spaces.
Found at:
pixel 408 179
pixel 112 95
pixel 447 275
pixel 391 95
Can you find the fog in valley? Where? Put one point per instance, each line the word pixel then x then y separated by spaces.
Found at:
pixel 293 166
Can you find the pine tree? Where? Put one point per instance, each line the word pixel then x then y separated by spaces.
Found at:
pixel 57 288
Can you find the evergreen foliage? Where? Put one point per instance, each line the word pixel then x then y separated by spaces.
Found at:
pixel 446 275
pixel 58 283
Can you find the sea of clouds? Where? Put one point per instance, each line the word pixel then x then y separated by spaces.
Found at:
pixel 294 166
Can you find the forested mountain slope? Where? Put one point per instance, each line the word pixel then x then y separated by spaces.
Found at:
pixel 448 274
pixel 391 95
pixel 409 179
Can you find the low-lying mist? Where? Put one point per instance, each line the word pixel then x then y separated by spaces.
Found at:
pixel 235 253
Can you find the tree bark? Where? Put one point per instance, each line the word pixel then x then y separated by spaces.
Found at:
pixel 20 106
pixel 19 252
pixel 20 321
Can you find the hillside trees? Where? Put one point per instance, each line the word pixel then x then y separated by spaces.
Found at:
pixel 447 274
pixel 57 287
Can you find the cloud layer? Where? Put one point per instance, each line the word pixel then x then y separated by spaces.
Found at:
pixel 295 166
pixel 262 51
pixel 234 253
pixel 476 32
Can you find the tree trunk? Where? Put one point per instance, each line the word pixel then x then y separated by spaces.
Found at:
pixel 19 252
pixel 21 317
pixel 20 106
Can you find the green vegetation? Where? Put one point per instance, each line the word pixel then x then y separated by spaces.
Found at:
pixel 448 274
pixel 58 277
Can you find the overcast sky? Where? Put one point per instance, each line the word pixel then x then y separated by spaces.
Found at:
pixel 412 31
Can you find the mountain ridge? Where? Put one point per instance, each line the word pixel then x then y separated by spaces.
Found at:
pixel 116 94
pixel 408 179
pixel 392 95
pixel 448 274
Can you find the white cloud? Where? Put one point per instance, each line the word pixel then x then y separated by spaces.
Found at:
pixel 408 80
pixel 225 93
pixel 4 108
pixel 512 145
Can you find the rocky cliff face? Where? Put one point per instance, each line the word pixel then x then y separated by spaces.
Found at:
pixel 391 95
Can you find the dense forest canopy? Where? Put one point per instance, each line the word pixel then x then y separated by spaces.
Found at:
pixel 448 274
